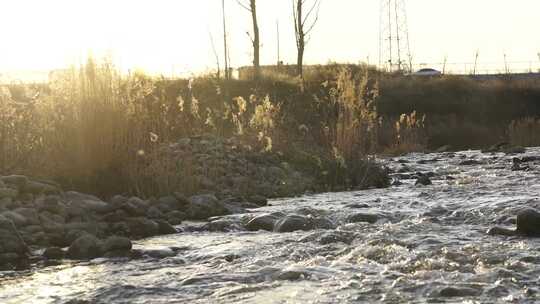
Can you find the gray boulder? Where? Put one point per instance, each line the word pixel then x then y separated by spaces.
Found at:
pixel 165 228
pixel 116 243
pixel 86 246
pixel 262 222
pixel 204 206
pixel 292 223
pixel 175 217
pixel 142 227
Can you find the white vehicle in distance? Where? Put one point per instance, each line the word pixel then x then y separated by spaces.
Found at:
pixel 427 72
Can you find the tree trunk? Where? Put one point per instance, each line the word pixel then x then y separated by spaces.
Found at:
pixel 256 41
pixel 299 39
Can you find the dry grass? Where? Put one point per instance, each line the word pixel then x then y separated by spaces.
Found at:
pixel 96 130
pixel 525 132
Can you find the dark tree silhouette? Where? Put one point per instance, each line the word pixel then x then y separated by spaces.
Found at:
pixel 304 22
pixel 251 6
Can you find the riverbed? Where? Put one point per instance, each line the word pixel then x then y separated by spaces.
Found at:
pixel 426 244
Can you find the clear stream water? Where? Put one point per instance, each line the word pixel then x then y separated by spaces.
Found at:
pixel 428 246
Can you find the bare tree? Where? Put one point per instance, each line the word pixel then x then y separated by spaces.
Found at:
pixel 215 55
pixel 255 39
pixel 304 22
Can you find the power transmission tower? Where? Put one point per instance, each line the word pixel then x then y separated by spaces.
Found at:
pixel 394 48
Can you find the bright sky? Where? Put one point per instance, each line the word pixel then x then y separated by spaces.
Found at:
pixel 169 36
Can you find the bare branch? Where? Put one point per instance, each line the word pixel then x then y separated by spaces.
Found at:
pixel 243 5
pixel 316 4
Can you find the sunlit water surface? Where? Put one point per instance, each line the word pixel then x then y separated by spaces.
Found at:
pixel 429 246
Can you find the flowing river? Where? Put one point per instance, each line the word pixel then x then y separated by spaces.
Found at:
pixel 421 244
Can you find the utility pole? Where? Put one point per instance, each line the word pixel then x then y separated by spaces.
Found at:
pixel 225 48
pixel 476 61
pixel 394 47
pixel 277 37
pixel 444 64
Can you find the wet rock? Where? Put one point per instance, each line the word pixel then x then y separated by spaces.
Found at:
pixel 336 236
pixel 362 217
pixel 292 274
pixel 222 225
pixel 262 222
pixel 423 180
pixel 528 223
pixel 116 244
pixel 175 217
pixel 322 223
pixel 165 228
pixel 501 231
pixel 258 200
pixel 159 253
pixel 470 162
pixel 54 253
pixel 358 206
pixel 451 292
pixel 86 246
pixel 292 223
pixel 204 206
pixel 142 227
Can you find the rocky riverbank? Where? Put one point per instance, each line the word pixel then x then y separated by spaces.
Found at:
pixel 38 214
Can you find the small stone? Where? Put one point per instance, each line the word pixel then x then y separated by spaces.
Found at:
pixel 362 217
pixel 423 180
pixel 54 253
pixel 451 292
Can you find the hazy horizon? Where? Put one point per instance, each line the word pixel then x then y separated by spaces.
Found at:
pixel 172 37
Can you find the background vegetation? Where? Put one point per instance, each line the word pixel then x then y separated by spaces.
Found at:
pixel 96 130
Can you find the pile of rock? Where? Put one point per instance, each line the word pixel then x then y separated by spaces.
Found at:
pixel 228 168
pixel 38 214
